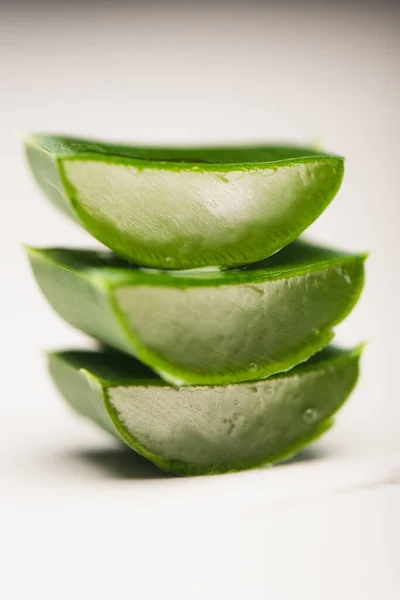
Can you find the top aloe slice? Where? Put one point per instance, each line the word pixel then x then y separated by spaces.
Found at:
pixel 185 208
pixel 207 429
pixel 201 326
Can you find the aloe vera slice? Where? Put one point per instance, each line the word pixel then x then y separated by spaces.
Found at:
pixel 203 429
pixel 185 208
pixel 201 326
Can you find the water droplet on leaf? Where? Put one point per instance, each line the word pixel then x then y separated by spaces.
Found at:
pixel 310 415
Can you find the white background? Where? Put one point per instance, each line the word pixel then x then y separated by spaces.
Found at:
pixel 81 518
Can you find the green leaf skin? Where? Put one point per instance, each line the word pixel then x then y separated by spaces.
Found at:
pixel 206 327
pixel 186 208
pixel 203 430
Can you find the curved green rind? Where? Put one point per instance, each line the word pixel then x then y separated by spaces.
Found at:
pixel 91 382
pixel 206 327
pixel 190 207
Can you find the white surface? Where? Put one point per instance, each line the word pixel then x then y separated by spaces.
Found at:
pixel 79 517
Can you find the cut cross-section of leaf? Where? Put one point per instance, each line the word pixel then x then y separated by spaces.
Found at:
pixel 186 208
pixel 206 327
pixel 207 429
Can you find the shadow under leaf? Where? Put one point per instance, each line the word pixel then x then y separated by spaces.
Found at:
pixel 310 453
pixel 123 463
pixel 118 463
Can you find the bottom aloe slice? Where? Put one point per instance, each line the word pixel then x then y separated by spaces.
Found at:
pixel 206 327
pixel 196 430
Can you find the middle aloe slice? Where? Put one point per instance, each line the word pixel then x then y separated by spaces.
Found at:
pixel 206 327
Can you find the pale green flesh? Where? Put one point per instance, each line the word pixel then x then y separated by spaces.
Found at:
pixel 203 429
pixel 177 214
pixel 203 327
pixel 229 329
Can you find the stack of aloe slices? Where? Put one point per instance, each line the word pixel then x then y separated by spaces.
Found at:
pixel 214 318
